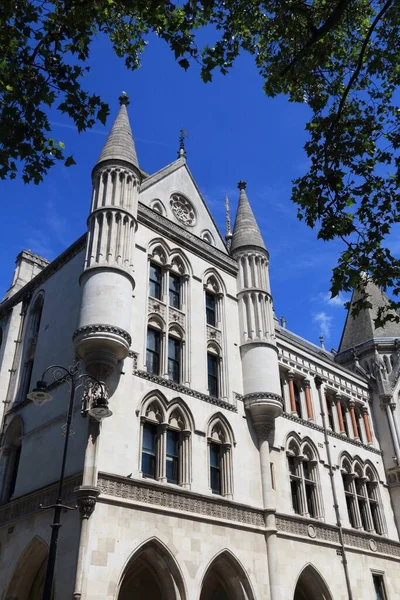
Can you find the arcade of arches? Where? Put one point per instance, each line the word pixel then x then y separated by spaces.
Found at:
pixel 27 581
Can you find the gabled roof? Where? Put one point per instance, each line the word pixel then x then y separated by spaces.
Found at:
pixel 360 329
pixel 120 145
pixel 245 231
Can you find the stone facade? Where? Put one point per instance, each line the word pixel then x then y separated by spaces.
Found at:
pixel 240 461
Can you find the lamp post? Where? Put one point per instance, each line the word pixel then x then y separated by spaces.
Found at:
pixel 98 410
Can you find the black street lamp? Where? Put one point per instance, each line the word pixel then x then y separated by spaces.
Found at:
pixel 98 410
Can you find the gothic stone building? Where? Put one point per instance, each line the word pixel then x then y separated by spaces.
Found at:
pixel 240 462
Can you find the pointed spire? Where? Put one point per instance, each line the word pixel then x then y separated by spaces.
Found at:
pixel 120 145
pixel 182 149
pixel 246 231
pixel 228 235
pixel 362 328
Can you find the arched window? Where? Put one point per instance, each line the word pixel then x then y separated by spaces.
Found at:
pixel 362 500
pixel 153 350
pixel 166 450
pixel 220 442
pixel 11 454
pixel 214 370
pixel 303 474
pixel 35 317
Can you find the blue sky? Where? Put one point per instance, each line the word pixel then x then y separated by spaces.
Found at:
pixel 235 132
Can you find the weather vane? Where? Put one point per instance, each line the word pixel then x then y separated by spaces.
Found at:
pixel 182 149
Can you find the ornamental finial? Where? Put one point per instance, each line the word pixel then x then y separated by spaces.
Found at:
pixel 124 99
pixel 242 185
pixel 228 235
pixel 182 149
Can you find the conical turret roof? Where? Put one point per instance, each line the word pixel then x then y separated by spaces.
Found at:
pixel 120 145
pixel 362 328
pixel 245 231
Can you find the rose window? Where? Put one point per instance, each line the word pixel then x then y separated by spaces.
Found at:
pixel 183 210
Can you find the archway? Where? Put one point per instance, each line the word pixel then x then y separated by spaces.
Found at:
pixel 152 574
pixel 27 581
pixel 226 579
pixel 311 586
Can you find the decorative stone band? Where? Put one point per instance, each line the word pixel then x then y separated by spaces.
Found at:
pixel 100 328
pixel 329 533
pixel 312 425
pixel 250 398
pixel 177 387
pixel 263 405
pixel 30 504
pixel 189 502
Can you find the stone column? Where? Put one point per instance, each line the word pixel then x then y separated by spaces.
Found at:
pixel 390 407
pixel 354 420
pixel 291 393
pixel 161 452
pixel 86 496
pixel 307 390
pixel 340 414
pixel 263 431
pixel 367 425
pixel 186 459
pixel 226 471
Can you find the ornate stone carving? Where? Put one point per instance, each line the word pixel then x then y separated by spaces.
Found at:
pixel 86 497
pixel 157 307
pixel 214 334
pixel 177 316
pixel 135 357
pixel 146 493
pixel 30 504
pixel 182 389
pixel 100 328
pixel 183 210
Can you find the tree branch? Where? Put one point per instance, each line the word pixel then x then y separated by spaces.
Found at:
pixel 319 33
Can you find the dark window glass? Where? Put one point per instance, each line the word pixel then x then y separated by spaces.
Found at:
pixel 174 351
pixel 379 587
pixel 297 399
pixel 310 497
pixel 212 369
pixel 149 446
pixel 210 309
pixel 349 500
pixel 155 281
pixel 329 413
pixel 174 290
pixel 295 489
pixel 346 426
pixel 215 468
pixel 292 465
pixel 172 456
pixel 14 472
pixel 153 351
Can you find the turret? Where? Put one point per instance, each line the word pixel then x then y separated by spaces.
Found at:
pixel 107 280
pixel 262 390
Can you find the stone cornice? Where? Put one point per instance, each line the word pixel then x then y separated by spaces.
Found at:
pixel 102 328
pixel 318 532
pixel 30 503
pixel 182 389
pixel 145 492
pixel 312 425
pixel 186 239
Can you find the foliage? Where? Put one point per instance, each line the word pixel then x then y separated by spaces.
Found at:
pixel 342 57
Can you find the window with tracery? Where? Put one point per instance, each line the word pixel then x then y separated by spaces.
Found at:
pixel 166 450
pixel 220 459
pixel 362 497
pixel 302 466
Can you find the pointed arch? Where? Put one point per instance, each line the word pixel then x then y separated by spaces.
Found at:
pixel 28 578
pixel 180 405
pixel 180 262
pixel 152 572
pixel 226 579
pixel 154 401
pixel 159 251
pixel 213 281
pixel 311 585
pixel 158 206
pixel 219 420
pixel 307 443
pixel 293 443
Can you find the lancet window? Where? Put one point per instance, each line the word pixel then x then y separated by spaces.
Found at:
pixel 220 442
pixel 166 442
pixel 168 285
pixel 304 482
pixel 361 490
pixel 214 317
pixel 32 334
pixel 10 459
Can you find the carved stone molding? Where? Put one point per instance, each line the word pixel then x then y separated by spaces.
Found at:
pixel 86 497
pixel 330 533
pixel 263 430
pixel 339 436
pixel 157 307
pixel 100 328
pixel 143 492
pixel 182 389
pixel 213 335
pixel 134 356
pixel 30 504
pixel 250 398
